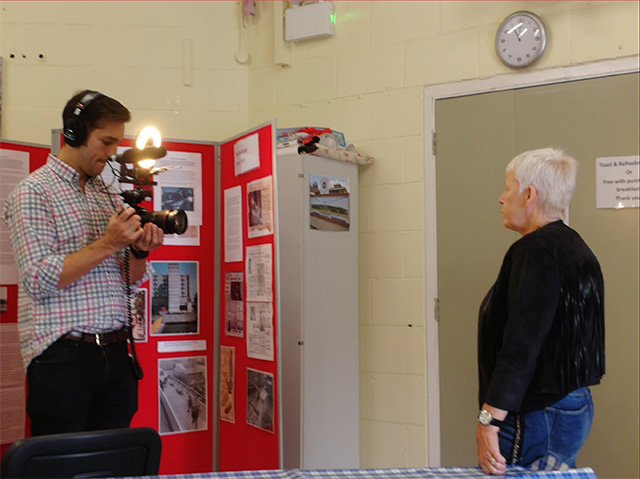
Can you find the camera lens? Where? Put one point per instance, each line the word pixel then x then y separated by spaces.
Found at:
pixel 170 221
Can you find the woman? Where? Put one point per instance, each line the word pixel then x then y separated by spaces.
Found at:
pixel 541 326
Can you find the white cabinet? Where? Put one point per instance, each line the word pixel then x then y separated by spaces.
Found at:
pixel 319 377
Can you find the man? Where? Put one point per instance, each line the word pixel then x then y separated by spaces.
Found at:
pixel 70 234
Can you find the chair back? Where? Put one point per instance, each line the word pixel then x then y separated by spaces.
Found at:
pixel 107 453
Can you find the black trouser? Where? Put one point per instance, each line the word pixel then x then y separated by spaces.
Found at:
pixel 79 386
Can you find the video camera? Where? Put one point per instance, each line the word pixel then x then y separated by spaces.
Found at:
pixel 170 221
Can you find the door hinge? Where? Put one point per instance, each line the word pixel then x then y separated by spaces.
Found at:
pixel 436 309
pixel 434 143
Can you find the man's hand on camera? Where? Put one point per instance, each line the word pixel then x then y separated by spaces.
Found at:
pixel 123 228
pixel 151 238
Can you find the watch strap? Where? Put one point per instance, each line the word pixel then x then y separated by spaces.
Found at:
pixel 138 254
pixel 497 422
pixel 484 415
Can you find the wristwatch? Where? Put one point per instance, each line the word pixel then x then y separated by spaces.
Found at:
pixel 486 419
pixel 138 254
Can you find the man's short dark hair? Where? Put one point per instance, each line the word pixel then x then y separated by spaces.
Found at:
pixel 99 110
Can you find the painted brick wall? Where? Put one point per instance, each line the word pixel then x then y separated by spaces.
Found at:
pixel 132 51
pixel 367 81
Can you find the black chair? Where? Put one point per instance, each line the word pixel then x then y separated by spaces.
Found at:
pixel 108 453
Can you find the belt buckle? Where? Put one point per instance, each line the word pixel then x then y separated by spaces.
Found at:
pixel 99 340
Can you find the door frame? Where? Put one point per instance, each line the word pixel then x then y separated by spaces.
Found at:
pixel 510 81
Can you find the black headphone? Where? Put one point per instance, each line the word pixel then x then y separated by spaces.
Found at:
pixel 75 131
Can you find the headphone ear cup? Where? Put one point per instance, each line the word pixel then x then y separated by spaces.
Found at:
pixel 75 132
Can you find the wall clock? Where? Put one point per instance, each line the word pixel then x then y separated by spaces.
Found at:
pixel 520 39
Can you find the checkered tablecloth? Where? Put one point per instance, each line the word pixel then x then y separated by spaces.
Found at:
pixel 429 473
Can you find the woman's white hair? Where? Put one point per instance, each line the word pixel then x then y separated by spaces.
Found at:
pixel 552 172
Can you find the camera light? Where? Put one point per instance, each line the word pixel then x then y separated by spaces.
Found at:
pixel 146 135
pixel 147 164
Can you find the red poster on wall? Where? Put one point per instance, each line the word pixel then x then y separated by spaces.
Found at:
pixel 249 432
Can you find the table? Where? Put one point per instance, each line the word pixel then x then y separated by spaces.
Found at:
pixel 408 473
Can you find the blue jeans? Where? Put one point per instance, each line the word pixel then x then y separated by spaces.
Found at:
pixel 553 435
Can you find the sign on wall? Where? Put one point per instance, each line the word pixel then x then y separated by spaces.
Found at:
pixel 618 182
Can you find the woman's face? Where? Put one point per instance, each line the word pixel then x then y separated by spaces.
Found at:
pixel 514 210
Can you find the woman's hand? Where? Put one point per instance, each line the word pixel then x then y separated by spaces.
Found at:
pixel 489 456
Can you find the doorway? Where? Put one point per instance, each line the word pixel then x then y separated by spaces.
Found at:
pixel 476 136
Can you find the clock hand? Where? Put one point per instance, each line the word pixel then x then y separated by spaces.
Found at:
pixel 515 27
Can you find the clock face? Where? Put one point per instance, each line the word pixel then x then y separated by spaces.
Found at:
pixel 521 39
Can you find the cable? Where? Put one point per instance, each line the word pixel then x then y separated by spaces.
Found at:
pixel 137 369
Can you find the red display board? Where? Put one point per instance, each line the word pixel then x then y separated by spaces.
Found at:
pixel 37 157
pixel 251 440
pixel 192 450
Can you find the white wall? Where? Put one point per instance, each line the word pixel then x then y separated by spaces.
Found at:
pixel 366 81
pixel 130 50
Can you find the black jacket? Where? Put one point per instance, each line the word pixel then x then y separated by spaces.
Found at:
pixel 541 325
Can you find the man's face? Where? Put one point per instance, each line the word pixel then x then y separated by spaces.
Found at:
pixel 100 146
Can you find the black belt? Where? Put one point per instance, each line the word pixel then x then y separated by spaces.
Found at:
pixel 99 338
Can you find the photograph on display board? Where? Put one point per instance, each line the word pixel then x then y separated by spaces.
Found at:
pixel 174 298
pixel 227 383
pixel 180 184
pixel 260 399
pixel 182 395
pixel 259 272
pixel 259 207
pixel 140 317
pixel 260 331
pixel 329 209
pixel 177 198
pixel 234 304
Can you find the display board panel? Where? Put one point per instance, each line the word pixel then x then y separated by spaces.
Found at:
pixel 176 394
pixel 187 355
pixel 249 431
pixel 37 156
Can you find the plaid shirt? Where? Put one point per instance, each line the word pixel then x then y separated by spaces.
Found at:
pixel 49 217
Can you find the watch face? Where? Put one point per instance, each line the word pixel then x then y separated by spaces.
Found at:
pixel 520 40
pixel 484 417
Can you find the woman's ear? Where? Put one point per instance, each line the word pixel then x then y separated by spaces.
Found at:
pixel 532 195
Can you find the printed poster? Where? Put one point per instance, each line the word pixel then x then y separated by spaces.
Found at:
pixel 227 383
pixel 259 207
pixel 234 304
pixel 260 331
